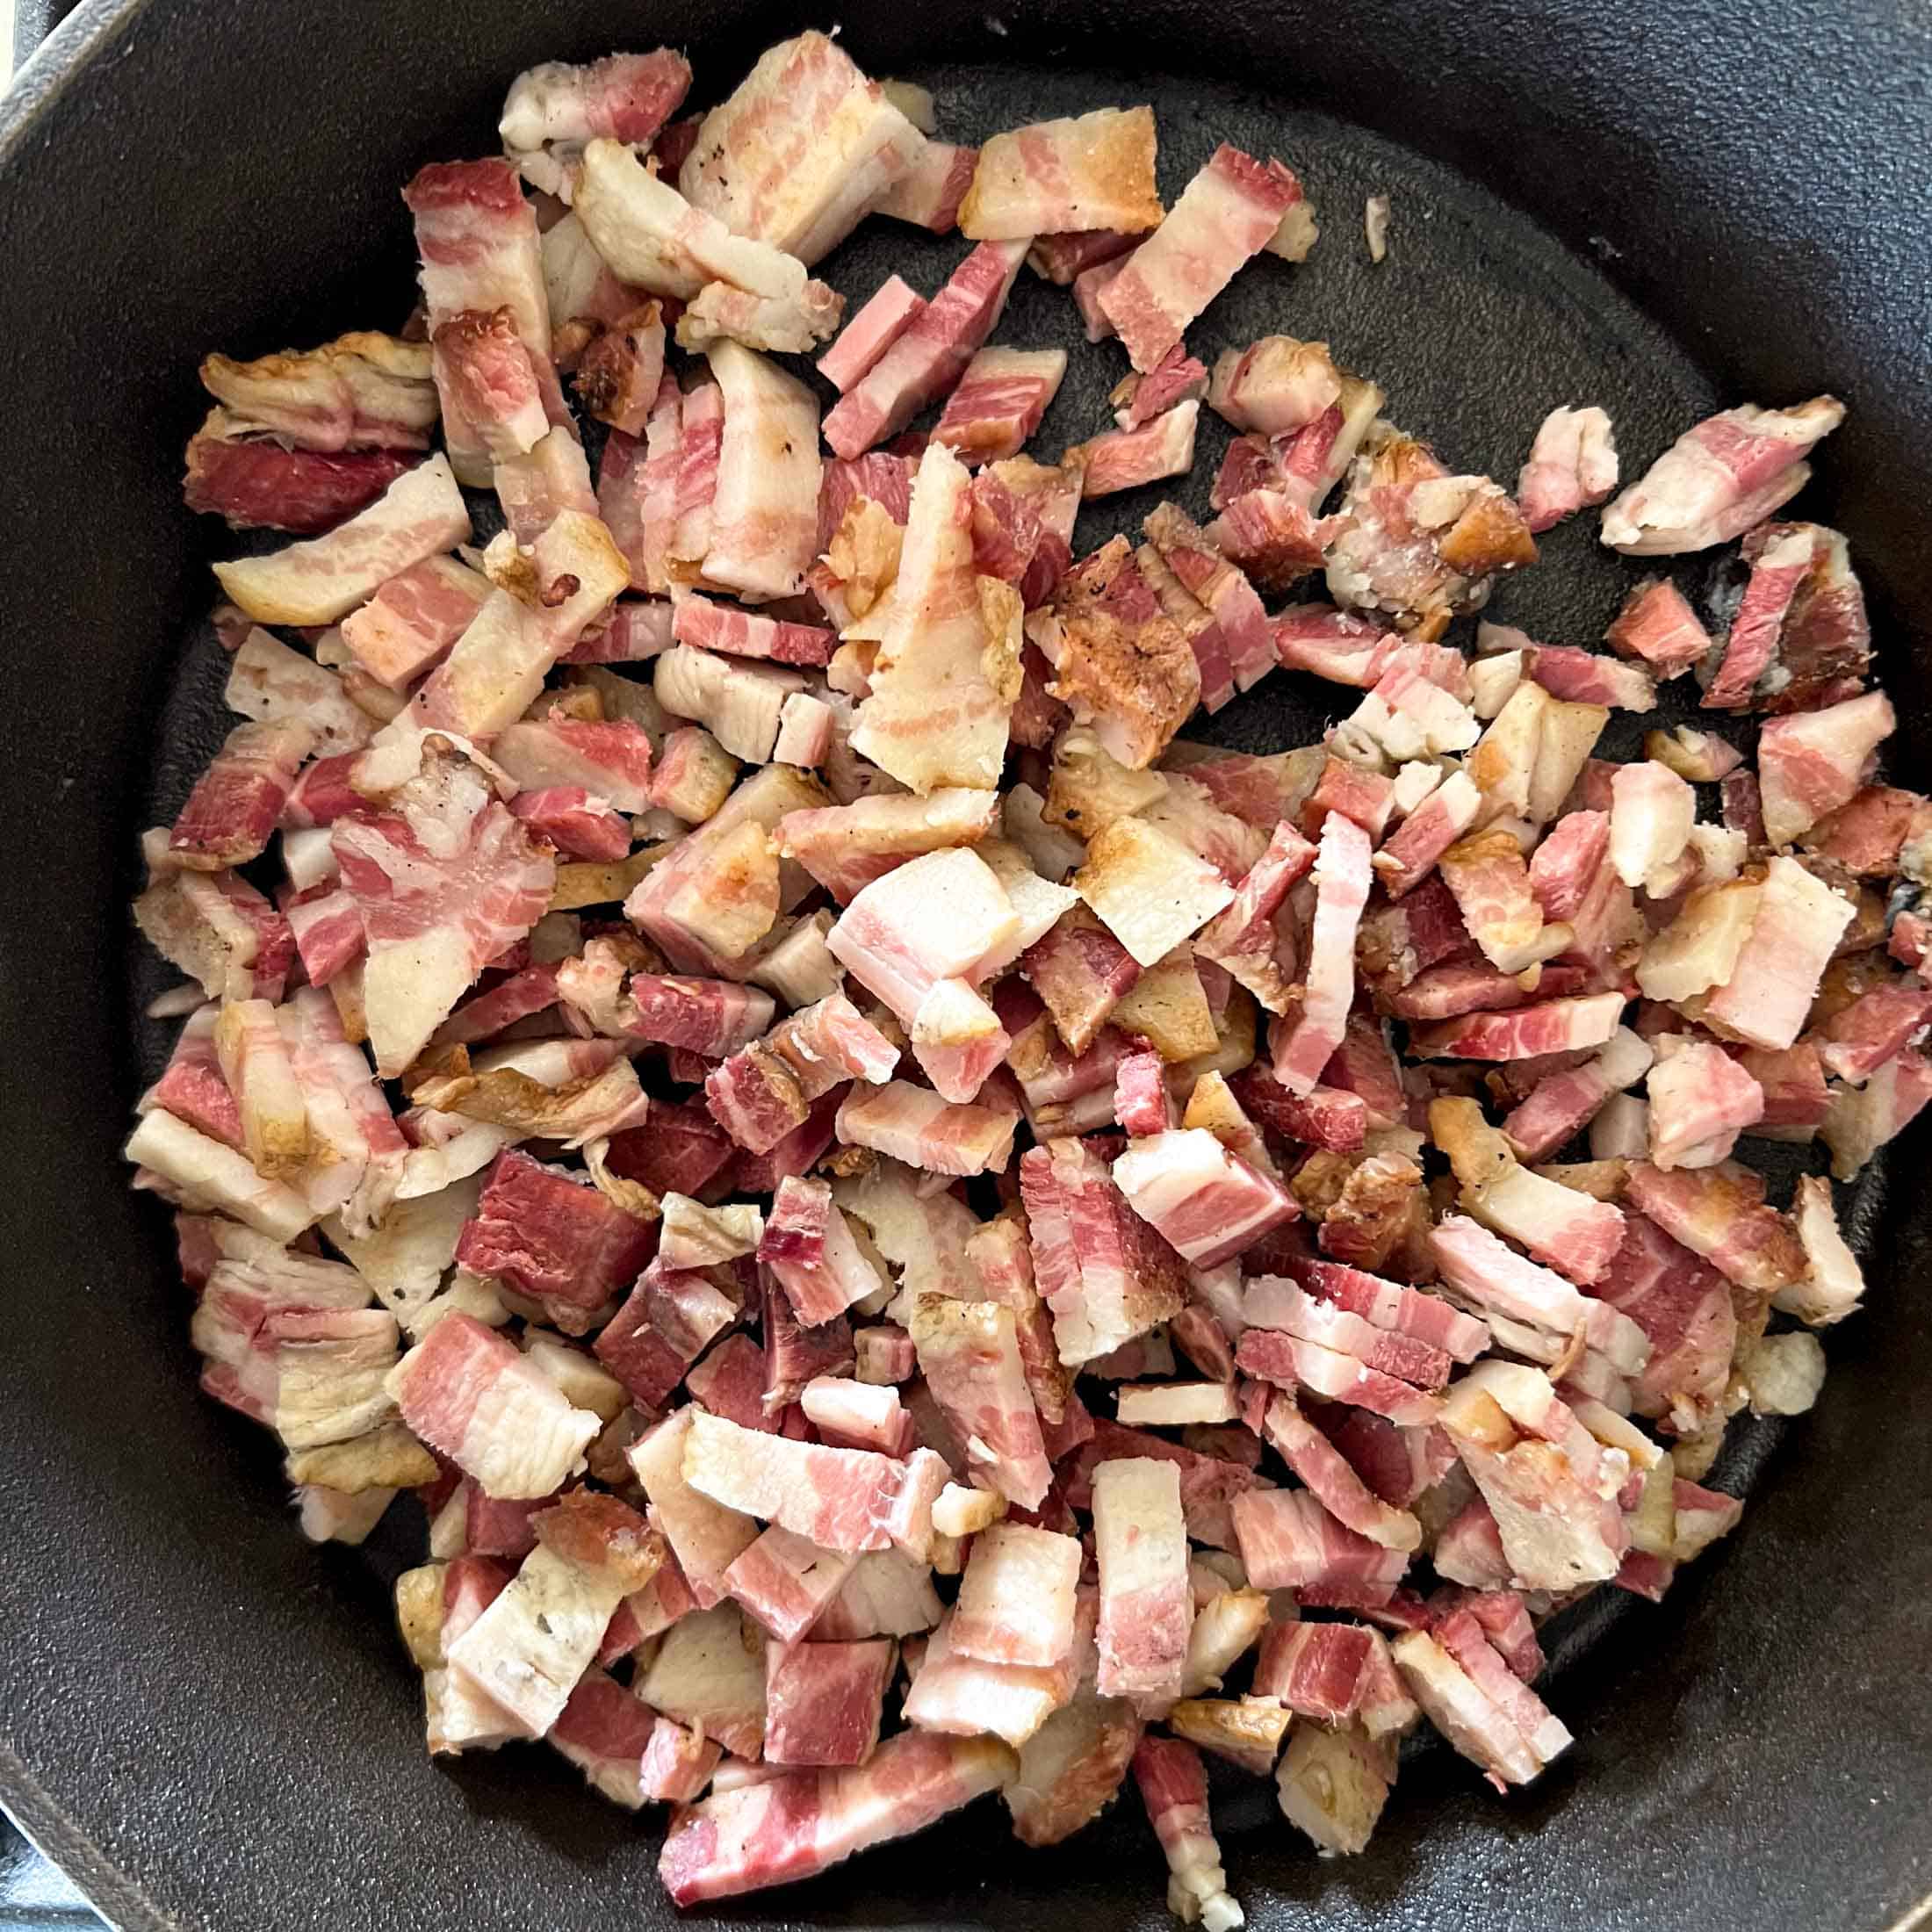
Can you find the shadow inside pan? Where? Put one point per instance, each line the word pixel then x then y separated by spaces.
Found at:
pixel 1476 324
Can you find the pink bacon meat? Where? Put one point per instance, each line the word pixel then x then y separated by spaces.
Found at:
pixel 1228 213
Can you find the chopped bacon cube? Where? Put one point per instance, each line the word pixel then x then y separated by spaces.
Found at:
pixel 1062 178
pixel 999 403
pixel 930 192
pixel 1572 464
pixel 1342 879
pixel 1125 459
pixel 824 1701
pixel 1146 1610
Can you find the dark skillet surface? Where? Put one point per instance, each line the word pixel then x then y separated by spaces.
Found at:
pixel 213 1724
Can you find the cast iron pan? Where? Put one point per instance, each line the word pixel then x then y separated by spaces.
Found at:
pixel 212 1725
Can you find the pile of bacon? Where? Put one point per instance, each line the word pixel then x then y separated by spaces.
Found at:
pixel 722 864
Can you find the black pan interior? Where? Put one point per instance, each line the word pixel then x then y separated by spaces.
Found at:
pixel 213 1723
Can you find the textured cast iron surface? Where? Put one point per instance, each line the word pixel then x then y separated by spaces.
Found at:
pixel 213 1725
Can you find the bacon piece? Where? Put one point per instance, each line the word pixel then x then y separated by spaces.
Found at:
pixel 1717 1213
pixel 1825 645
pixel 914 1125
pixel 1138 399
pixel 823 1701
pixel 1000 401
pixel 468 1394
pixel 821 1285
pixel 489 385
pixel 930 192
pixel 925 362
pixel 709 1674
pixel 1332 1480
pixel 1220 588
pixel 445 879
pixel 1081 971
pixel 1106 1276
pixel 1016 1598
pixel 790 324
pixel 669 1320
pixel 237 801
pixel 1481 1269
pixel 1146 1612
pixel 1287 1540
pixel 1555 1026
pixel 1275 386
pixel 893 309
pixel 1317 1670
pixel 1274 1302
pixel 1124 459
pixel 790 1827
pixel 551 1236
pixel 1799 920
pixel 1290 1360
pixel 800 150
pixel 699 622
pixel 764 511
pixel 1141 1103
pixel 496 668
pixel 785 1581
pixel 406 628
pixel 1227 213
pixel 1572 464
pixel 611 758
pixel 1658 625
pixel 1066 177
pixel 570 819
pixel 1342 879
pixel 528 1649
pixel 1863 1120
pixel 1683 1305
pixel 1777 567
pixel 1244 937
pixel 1491 884
pixel 1173 1785
pixel 1464 1707
pixel 1719 478
pixel 970 1356
pixel 1876 1027
pixel 1834 1283
pixel 554 108
pixel 937 712
pixel 841 1499
pixel 363 390
pixel 1701 1101
pixel 1811 764
pixel 1205 1203
pixel 620 376
pixel 254 483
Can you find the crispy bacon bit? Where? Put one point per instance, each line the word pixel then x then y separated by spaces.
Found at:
pixel 1719 479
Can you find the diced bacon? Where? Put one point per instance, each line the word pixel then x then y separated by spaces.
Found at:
pixel 999 403
pixel 410 623
pixel 605 1732
pixel 1778 568
pixel 1683 1305
pixel 1275 386
pixel 1332 1480
pixel 1220 588
pixel 893 309
pixel 1205 1203
pixel 1797 923
pixel 1491 884
pixel 1146 1610
pixel 1016 1598
pixel 740 703
pixel 1715 1213
pixel 573 821
pixel 914 1125
pixel 1290 1360
pixel 1390 1305
pixel 1138 399
pixel 1863 1120
pixel 810 1249
pixel 940 686
pixel 970 1356
pixel 237 801
pixel 1226 214
pixel 854 1415
pixel 1087 287
pixel 1271 537
pixel 1875 1028
pixel 256 483
pixel 1325 1116
pixel 711 626
pixel 192 1088
pixel 1124 459
pixel 445 879
pixel 609 758
pixel 1658 625
pixel 1066 178
pixel 677 1763
pixel 496 668
pixel 786 1829
pixel 1274 1302
pixel 701 442
pixel 554 108
pixel 1834 1283
pixel 1106 1276
pixel 1811 764
pixel 845 847
pixel 1719 478
pixel 709 1674
pixel 551 1236
pixel 1701 1101
pixel 363 390
pixel 670 1317
pixel 823 1701
pixel 798 153
pixel 785 1581
pixel 468 1394
pixel 1287 1540
pixel 1173 1785
pixel 1415 849
pixel 928 358
pixel 1342 879
pixel 489 385
pixel 842 1499
pixel 887 1594
pixel 1555 1026
pixel 1141 1103
pixel 705 1537
pixel 790 324
pixel 526 1651
pixel 1081 971
pixel 1572 464
pixel 1651 814
pixel 1244 938
pixel 1578 676
pixel 1059 257
pixel 930 192
pixel 765 512
pixel 1317 1670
